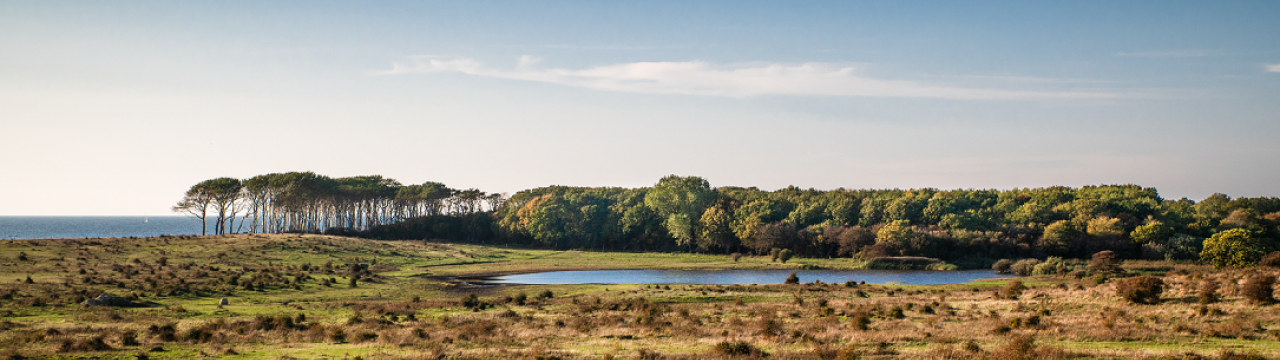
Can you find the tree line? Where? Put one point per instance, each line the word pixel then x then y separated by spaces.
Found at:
pixel 966 226
pixel 307 202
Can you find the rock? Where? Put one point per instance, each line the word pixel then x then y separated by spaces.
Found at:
pixel 223 302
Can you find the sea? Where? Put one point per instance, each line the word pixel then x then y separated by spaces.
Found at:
pixel 79 227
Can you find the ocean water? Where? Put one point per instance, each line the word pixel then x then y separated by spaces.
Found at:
pixel 76 227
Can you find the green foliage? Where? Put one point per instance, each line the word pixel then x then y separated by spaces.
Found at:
pixel 1024 267
pixel 896 236
pixel 681 200
pixel 1002 266
pixel 1233 248
pixel 785 255
pixel 1052 266
pixel 1061 237
pixel 1151 232
pixel 714 231
pixel 961 226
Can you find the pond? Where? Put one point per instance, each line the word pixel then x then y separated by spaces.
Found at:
pixel 744 277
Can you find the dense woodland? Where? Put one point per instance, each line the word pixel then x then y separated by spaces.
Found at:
pixel 963 226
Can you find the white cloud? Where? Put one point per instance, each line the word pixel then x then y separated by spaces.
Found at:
pixel 741 80
pixel 1275 68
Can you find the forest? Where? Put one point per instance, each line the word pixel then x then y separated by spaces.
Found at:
pixel 970 227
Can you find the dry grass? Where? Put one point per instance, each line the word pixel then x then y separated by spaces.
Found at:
pixel 396 314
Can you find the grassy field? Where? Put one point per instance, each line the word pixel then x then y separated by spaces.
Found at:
pixel 291 297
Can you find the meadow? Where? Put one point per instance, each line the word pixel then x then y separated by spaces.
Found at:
pixel 294 296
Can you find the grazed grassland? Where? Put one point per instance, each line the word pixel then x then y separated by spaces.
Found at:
pixel 291 297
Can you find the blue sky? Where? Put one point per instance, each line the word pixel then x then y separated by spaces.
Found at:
pixel 114 108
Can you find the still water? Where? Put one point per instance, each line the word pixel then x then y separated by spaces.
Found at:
pixel 743 277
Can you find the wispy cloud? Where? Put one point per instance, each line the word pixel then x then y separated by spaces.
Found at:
pixel 738 80
pixel 1275 68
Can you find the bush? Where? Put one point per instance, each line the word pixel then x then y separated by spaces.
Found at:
pixel 1260 288
pixel 1024 267
pixel 785 255
pixel 546 294
pixel 792 279
pixel 1052 266
pixel 738 348
pixel 1013 290
pixel 129 338
pixel 1105 262
pixel 1141 290
pixel 1233 248
pixel 1271 260
pixel 471 301
pixel 1208 293
pixel 1002 266
pixel 861 321
pixel 338 336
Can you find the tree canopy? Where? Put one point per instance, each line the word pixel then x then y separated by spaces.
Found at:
pixel 685 213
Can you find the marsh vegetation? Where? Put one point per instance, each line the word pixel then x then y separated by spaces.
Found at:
pixel 292 296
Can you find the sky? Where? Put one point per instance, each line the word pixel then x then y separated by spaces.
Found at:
pixel 117 107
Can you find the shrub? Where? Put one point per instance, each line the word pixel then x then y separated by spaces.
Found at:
pixel 1271 260
pixel 1105 262
pixel 1024 267
pixel 738 348
pixel 861 321
pixel 1260 288
pixel 1141 290
pixel 129 338
pixel 896 312
pixel 785 255
pixel 521 298
pixel 1013 290
pixel 1233 248
pixel 1208 293
pixel 546 294
pixel 792 279
pixel 1051 266
pixel 91 344
pixel 338 336
pixel 471 301
pixel 1002 266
